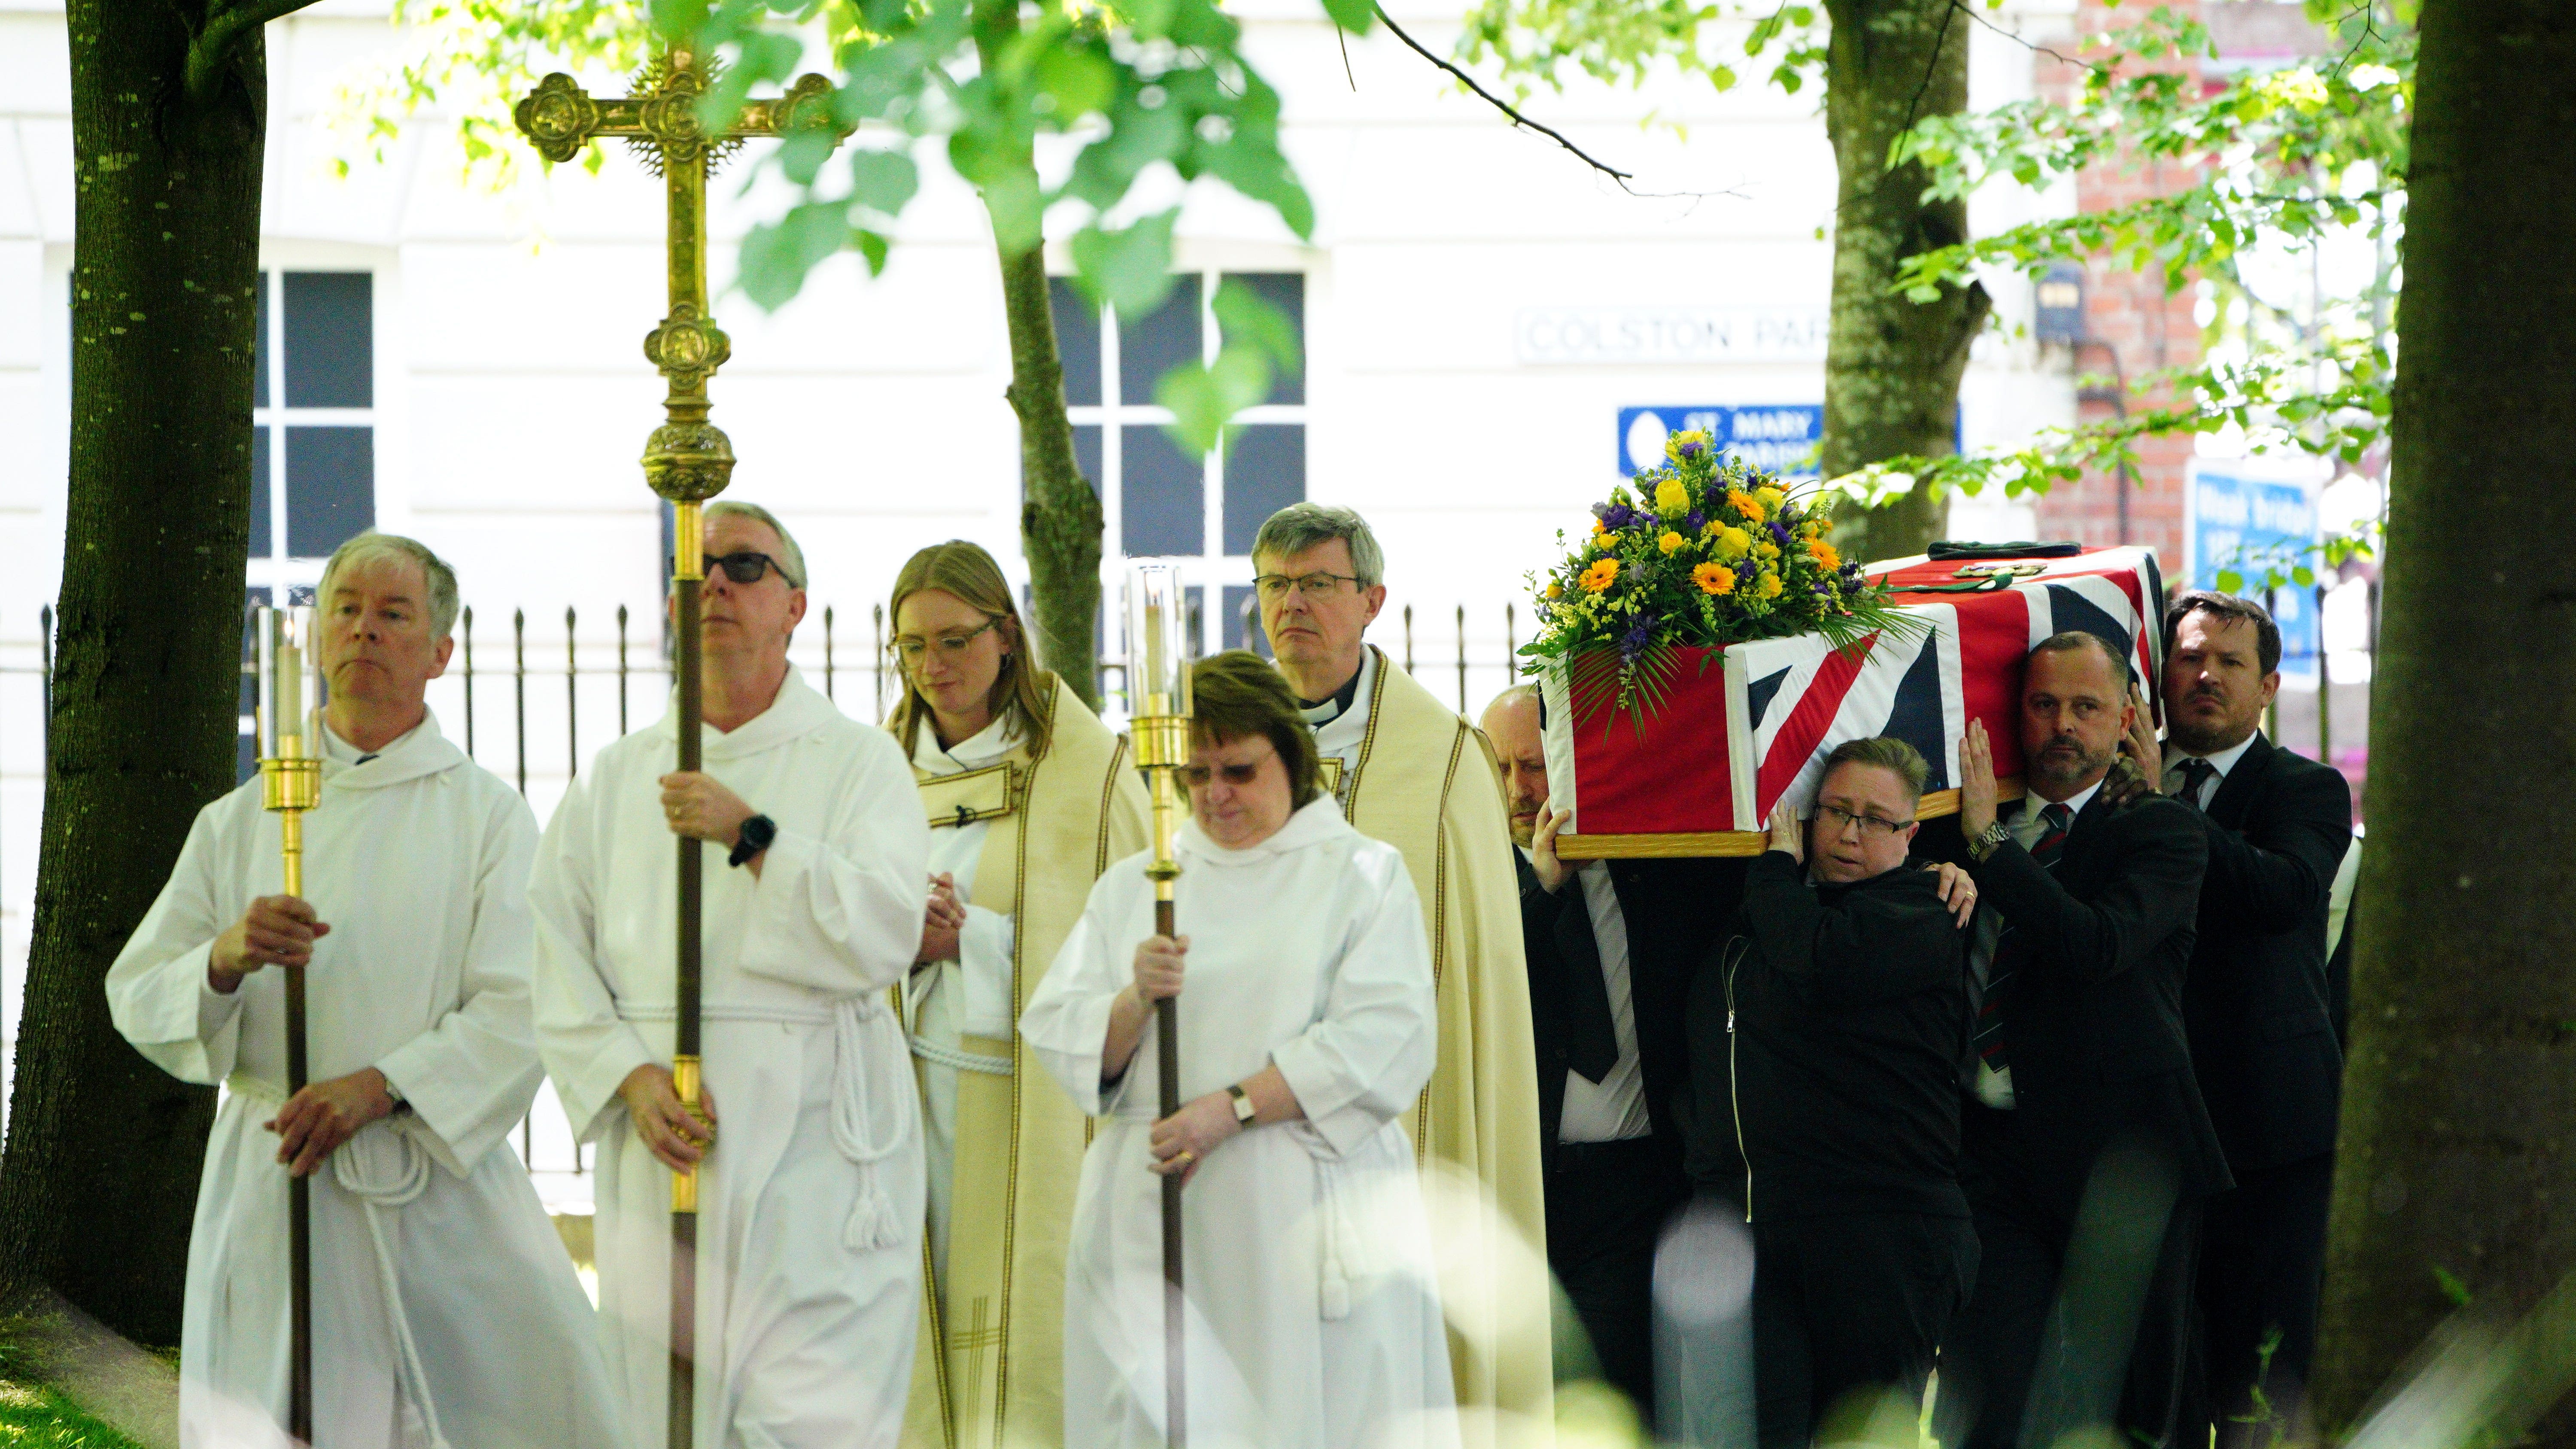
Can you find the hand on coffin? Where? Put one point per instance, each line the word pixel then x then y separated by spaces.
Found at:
pixel 1788 832
pixel 1976 781
pixel 275 931
pixel 670 1131
pixel 942 923
pixel 314 1122
pixel 1544 864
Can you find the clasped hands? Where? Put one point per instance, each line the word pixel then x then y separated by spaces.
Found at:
pixel 280 931
pixel 1182 1141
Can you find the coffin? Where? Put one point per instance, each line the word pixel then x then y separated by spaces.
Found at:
pixel 1741 728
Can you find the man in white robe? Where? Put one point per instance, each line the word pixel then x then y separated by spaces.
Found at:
pixel 445 1311
pixel 810 1170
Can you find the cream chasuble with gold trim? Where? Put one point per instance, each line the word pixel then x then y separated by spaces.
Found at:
pixel 990 1370
pixel 1422 779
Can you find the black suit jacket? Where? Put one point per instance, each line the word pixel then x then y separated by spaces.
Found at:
pixel 1672 910
pixel 2257 1004
pixel 2093 1024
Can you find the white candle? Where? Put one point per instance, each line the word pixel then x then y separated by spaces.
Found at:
pixel 289 688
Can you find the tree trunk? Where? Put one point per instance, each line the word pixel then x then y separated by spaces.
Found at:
pixel 1060 518
pixel 1892 366
pixel 2460 1088
pixel 100 1176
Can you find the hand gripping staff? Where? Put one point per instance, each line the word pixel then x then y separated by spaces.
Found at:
pixel 1158 693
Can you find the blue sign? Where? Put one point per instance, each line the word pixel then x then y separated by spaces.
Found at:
pixel 1779 439
pixel 2248 520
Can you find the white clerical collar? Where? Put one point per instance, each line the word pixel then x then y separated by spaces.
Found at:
pixel 1343 700
pixel 2075 803
pixel 977 750
pixel 2223 761
pixel 1345 728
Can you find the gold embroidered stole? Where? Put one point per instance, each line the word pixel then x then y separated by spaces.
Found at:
pixel 990 1359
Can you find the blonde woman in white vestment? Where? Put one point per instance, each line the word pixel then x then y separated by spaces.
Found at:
pixel 1305 995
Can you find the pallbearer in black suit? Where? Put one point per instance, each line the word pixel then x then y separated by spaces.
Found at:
pixel 2257 1005
pixel 1825 1032
pixel 1606 984
pixel 2085 1143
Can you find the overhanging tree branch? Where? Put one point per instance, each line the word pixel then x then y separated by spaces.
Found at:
pixel 212 48
pixel 1498 103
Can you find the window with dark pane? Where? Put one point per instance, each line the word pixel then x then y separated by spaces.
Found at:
pixel 1157 342
pixel 1077 341
pixel 1162 497
pixel 1243 620
pixel 330 344
pixel 330 488
pixel 261 543
pixel 259 354
pixel 1286 294
pixel 1265 471
pixel 1086 455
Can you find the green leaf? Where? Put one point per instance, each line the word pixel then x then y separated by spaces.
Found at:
pixel 2306 576
pixel 1080 79
pixel 872 246
pixel 802 155
pixel 2451 1286
pixel 1204 399
pixel 1129 269
pixel 883 181
pixel 1355 16
pixel 775 258
pixel 2230 581
pixel 1242 317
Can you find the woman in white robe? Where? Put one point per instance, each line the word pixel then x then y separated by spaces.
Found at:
pixel 1306 1029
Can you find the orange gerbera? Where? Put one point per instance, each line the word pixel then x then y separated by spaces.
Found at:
pixel 1823 553
pixel 1599 576
pixel 1714 578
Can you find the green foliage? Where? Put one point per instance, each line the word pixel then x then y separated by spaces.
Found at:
pixel 2273 161
pixel 33 1416
pixel 1153 86
pixel 1623 42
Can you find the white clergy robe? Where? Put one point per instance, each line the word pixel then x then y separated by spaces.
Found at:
pixel 810 1202
pixel 444 1308
pixel 1315 1317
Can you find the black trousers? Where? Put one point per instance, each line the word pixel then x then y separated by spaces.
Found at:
pixel 1606 1206
pixel 1848 1310
pixel 2077 1320
pixel 2262 1265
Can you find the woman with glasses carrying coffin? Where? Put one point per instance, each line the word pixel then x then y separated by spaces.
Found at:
pixel 1028 796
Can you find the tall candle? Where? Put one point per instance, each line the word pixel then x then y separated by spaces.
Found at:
pixel 289 687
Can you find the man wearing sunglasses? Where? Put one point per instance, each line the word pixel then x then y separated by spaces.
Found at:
pixel 1825 1036
pixel 811 1209
pixel 1411 772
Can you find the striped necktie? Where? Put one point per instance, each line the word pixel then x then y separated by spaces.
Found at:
pixel 2195 775
pixel 2012 947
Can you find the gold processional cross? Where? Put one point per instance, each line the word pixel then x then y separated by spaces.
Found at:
pixel 687 461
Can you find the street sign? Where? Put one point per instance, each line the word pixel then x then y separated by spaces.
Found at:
pixel 1780 438
pixel 2248 516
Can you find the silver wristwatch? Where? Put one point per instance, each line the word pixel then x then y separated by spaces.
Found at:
pixel 1987 839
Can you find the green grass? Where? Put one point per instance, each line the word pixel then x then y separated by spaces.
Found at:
pixel 35 1417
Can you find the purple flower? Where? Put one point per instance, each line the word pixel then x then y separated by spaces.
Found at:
pixel 1693 522
pixel 1639 635
pixel 1779 534
pixel 1614 515
pixel 1688 450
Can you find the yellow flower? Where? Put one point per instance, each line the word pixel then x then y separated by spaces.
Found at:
pixel 1766 549
pixel 1769 498
pixel 1670 541
pixel 1714 578
pixel 1769 588
pixel 1600 530
pixel 1600 575
pixel 1672 498
pixel 1744 503
pixel 1729 543
pixel 1555 590
pixel 1673 444
pixel 1823 553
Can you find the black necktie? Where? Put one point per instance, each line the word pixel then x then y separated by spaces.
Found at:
pixel 1591 1037
pixel 2195 773
pixel 2011 947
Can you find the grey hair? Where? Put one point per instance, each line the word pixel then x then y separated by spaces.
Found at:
pixel 794 561
pixel 1300 526
pixel 371 545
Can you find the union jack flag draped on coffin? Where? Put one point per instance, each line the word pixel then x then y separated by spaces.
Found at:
pixel 1736 732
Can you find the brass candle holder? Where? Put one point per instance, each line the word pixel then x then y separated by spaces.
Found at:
pixel 290 783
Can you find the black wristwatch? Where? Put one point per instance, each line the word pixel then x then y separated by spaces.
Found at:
pixel 757 833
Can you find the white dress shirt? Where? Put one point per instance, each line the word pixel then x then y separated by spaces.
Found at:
pixel 2223 761
pixel 1614 1108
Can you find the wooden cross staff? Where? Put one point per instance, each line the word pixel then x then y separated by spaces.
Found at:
pixel 687 461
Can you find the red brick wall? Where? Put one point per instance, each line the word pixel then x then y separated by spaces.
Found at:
pixel 2135 329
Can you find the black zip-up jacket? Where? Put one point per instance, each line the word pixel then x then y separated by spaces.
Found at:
pixel 1828 1029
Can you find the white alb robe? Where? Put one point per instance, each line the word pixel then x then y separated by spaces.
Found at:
pixel 969 996
pixel 810 1203
pixel 418 860
pixel 1315 1315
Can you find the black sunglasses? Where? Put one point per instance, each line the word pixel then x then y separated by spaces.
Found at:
pixel 747 567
